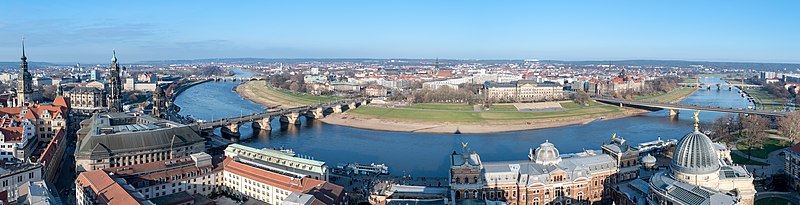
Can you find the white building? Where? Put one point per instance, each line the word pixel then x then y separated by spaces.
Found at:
pixel 279 161
pixel 17 140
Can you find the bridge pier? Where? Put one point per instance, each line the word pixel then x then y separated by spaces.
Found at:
pixel 674 112
pixel 263 124
pixel 364 102
pixel 351 106
pixel 230 130
pixel 291 118
pixel 315 113
pixel 337 108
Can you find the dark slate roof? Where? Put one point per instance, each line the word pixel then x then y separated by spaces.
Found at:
pixel 103 145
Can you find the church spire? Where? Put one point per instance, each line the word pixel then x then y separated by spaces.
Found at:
pixel 23 50
pixel 114 56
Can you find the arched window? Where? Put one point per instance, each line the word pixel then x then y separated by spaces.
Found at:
pixel 536 201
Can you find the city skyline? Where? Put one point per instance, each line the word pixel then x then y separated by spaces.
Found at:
pixel 693 31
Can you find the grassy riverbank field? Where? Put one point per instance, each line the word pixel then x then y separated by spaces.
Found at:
pixel 454 117
pixel 259 92
pixel 764 96
pixel 466 113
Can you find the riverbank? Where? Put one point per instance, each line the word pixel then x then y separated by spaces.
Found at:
pixel 448 119
pixel 442 121
pixel 258 92
pixel 355 120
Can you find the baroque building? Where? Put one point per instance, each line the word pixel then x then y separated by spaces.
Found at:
pixel 114 100
pixel 86 100
pixel 545 178
pixel 697 174
pixel 522 91
pixel 160 103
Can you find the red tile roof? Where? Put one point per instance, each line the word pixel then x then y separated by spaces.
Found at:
pixel 155 171
pixel 12 134
pixel 324 192
pixel 52 148
pixel 106 190
pixel 273 179
pixel 62 101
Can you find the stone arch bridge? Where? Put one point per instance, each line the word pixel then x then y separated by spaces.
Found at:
pixel 228 78
pixel 230 126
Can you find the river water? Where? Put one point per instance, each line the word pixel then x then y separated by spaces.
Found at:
pixel 420 154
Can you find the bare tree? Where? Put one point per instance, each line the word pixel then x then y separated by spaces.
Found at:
pixel 722 128
pixel 789 126
pixel 753 133
pixel 581 98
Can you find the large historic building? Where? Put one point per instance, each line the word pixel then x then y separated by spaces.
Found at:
pixel 279 161
pixel 522 91
pixel 620 84
pixel 24 84
pixel 86 100
pixel 792 166
pixel 188 179
pixel 160 108
pixel 696 175
pixel 114 101
pixel 122 139
pixel 545 178
pixel 627 158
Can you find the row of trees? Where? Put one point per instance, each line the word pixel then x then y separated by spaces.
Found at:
pixel 777 89
pixel 288 82
pixel 751 130
pixel 445 94
pixel 662 84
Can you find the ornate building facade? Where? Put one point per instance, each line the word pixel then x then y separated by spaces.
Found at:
pixel 696 175
pixel 545 178
pixel 114 100
pixel 160 103
pixel 86 100
pixel 522 91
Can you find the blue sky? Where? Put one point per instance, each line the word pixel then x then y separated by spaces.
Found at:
pixel 86 31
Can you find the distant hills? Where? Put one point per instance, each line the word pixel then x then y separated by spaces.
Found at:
pixel 664 63
pixel 782 67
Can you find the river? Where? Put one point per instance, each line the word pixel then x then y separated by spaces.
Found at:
pixel 420 154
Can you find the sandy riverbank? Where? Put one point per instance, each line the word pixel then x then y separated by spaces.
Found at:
pixel 362 122
pixel 248 94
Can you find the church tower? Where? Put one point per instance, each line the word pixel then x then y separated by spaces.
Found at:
pixel 159 103
pixel 115 90
pixel 24 85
